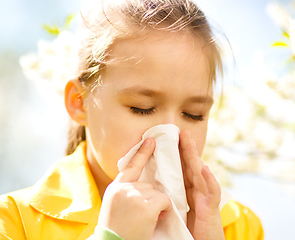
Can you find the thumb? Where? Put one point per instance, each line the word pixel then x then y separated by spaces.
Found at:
pixel 134 168
pixel 161 204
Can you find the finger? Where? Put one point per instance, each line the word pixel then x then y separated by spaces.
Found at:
pixel 148 194
pixel 200 184
pixel 134 168
pixel 138 186
pixel 193 162
pixel 163 215
pixel 188 146
pixel 214 190
pixel 160 202
pixel 186 169
pixel 142 185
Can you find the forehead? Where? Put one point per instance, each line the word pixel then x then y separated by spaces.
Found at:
pixel 177 58
pixel 160 43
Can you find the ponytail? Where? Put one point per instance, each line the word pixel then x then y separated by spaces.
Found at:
pixel 76 135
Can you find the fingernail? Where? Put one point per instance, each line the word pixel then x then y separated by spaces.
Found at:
pixel 147 142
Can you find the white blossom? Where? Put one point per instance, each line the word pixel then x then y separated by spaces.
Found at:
pixel 31 66
pixel 255 124
pixel 278 14
pixel 55 61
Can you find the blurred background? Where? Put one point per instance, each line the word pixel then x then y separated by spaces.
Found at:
pixel 251 138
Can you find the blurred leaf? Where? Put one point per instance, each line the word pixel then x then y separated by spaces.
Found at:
pixel 51 29
pixel 69 20
pixel 280 44
pixel 286 34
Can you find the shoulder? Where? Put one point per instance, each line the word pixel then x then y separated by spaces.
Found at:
pixel 66 192
pixel 10 215
pixel 22 197
pixel 16 198
pixel 240 222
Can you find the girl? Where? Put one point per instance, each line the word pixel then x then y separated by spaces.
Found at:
pixel 142 63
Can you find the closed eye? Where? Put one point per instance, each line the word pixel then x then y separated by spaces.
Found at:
pixel 148 111
pixel 142 111
pixel 193 117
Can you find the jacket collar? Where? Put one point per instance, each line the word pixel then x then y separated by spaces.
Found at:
pixel 230 213
pixel 68 190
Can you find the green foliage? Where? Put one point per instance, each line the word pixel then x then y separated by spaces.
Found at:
pixel 69 20
pixel 51 29
pixel 280 44
pixel 286 34
pixel 55 29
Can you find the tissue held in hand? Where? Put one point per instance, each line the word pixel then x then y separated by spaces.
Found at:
pixel 164 171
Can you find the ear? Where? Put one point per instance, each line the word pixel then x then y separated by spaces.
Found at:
pixel 74 102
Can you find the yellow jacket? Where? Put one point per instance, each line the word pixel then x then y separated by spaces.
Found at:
pixel 65 204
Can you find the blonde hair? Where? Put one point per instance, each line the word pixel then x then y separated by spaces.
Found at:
pixel 128 18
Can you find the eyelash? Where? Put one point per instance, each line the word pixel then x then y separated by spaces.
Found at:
pixel 193 117
pixel 152 110
pixel 142 111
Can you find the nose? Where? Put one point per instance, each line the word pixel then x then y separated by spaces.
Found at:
pixel 171 118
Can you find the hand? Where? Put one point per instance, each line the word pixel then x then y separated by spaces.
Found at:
pixel 131 208
pixel 203 193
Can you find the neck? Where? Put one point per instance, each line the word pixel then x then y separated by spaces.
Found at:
pixel 101 179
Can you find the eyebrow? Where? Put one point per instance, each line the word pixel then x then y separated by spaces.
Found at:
pixel 138 90
pixel 201 99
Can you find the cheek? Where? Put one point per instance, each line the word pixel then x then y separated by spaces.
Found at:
pixel 113 135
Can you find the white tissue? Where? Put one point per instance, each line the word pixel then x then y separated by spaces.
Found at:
pixel 164 171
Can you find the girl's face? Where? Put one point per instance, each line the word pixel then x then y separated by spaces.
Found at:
pixel 160 79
